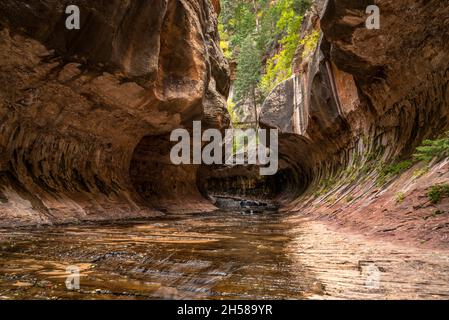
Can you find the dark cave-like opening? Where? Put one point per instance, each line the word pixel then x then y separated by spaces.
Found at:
pixel 174 188
pixel 162 184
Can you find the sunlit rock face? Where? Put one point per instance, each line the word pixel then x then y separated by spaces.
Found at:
pixel 365 96
pixel 278 109
pixel 362 99
pixel 85 116
pixel 365 99
pixel 74 105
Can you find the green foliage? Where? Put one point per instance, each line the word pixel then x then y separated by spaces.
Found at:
pixel 437 192
pixel 244 23
pixel 279 67
pixel 332 199
pixel 324 186
pixel 431 149
pixel 235 146
pixel 250 31
pixel 277 70
pixel 248 70
pixel 233 113
pixel 224 42
pixel 393 170
pixel 420 172
pixel 310 43
pixel 435 213
pixel 397 168
pixel 400 197
pixel 267 32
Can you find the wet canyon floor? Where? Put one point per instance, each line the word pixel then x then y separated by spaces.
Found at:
pixel 223 255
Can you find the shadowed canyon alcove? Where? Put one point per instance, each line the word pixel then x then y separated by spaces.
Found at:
pixel 359 206
pixel 85 124
pixel 162 184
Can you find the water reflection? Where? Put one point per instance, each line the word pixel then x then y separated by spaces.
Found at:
pixel 214 256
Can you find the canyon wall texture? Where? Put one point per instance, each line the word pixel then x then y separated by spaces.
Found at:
pixel 357 106
pixel 85 116
pixel 79 108
pixel 363 100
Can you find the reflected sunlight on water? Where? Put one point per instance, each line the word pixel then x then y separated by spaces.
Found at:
pixel 214 256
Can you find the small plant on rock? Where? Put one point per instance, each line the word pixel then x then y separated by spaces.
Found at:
pixel 400 197
pixel 393 170
pixel 420 172
pixel 437 192
pixel 397 168
pixel 431 149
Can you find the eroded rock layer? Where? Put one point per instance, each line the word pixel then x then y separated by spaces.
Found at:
pixel 85 115
pixel 365 98
pixel 75 104
pixel 366 91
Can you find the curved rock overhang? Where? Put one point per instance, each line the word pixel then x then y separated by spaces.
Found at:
pixel 78 108
pixel 372 96
pixel 85 117
pixel 366 97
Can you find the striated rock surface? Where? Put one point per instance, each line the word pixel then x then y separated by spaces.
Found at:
pixel 78 108
pixel 85 115
pixel 363 100
pixel 367 98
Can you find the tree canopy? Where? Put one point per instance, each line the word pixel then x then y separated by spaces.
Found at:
pixel 262 37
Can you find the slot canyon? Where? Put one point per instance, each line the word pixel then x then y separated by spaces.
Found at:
pixel 86 177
